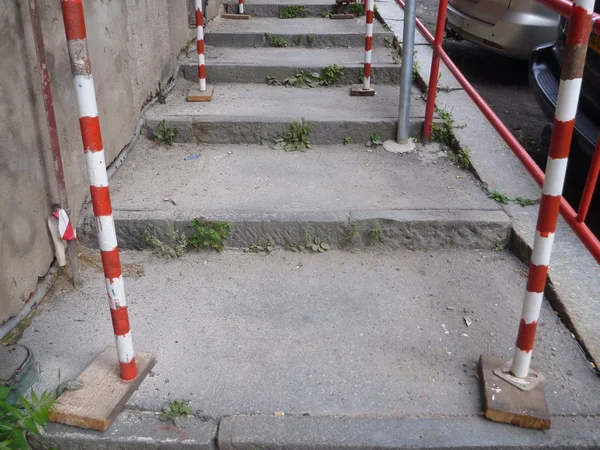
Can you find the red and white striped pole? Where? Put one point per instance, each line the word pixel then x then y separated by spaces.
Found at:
pixel 200 45
pixel 368 45
pixel 85 96
pixel 580 26
pixel 241 6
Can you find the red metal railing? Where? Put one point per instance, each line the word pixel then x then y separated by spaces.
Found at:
pixel 574 219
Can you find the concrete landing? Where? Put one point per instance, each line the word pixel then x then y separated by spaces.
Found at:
pixel 419 200
pixel 253 65
pixel 257 113
pixel 315 32
pixel 341 337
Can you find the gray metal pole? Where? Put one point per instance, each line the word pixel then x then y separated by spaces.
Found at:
pixel 408 45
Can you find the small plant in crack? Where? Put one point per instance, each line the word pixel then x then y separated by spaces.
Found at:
pixel 522 201
pixel 313 243
pixel 176 245
pixel 358 9
pixel 206 234
pixel 352 234
pixel 261 245
pixel 325 14
pixel 329 76
pixel 462 158
pixel 293 12
pixel 275 41
pixel 499 197
pixel 347 140
pixel 498 248
pixel 176 412
pixel 298 40
pixel 374 141
pixel 375 234
pixel 386 27
pixel 295 138
pixel 165 134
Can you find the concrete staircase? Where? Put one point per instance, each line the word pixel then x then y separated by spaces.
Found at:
pixel 369 341
pixel 421 200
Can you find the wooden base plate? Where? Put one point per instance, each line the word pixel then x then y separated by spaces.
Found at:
pixel 103 394
pixel 236 16
pixel 341 16
pixel 357 91
pixel 505 403
pixel 195 95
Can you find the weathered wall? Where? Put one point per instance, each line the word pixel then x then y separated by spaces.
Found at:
pixel 133 45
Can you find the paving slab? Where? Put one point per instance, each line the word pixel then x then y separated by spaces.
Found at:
pixel 257 113
pixel 372 334
pixel 253 65
pixel 274 194
pixel 313 32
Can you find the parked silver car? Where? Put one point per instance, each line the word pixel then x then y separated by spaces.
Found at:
pixel 509 27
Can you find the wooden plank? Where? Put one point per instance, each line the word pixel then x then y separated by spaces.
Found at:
pixel 341 16
pixel 357 91
pixel 103 395
pixel 236 16
pixel 505 403
pixel 196 95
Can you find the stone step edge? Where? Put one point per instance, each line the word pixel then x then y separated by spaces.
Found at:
pixel 414 229
pixel 133 430
pixel 273 10
pixel 217 72
pixel 263 130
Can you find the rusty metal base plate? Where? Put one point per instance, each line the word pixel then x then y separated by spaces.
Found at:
pixel 525 384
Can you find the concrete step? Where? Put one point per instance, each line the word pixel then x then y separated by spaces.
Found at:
pixel 314 32
pixel 257 113
pixel 359 350
pixel 253 65
pixel 340 193
pixel 272 8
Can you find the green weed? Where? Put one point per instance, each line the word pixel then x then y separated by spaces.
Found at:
pixel 261 245
pixel 25 416
pixel 352 234
pixel 176 245
pixel 374 141
pixel 207 234
pixel 325 13
pixel 522 201
pixel 375 234
pixel 165 134
pixel 293 11
pixel 295 137
pixel 347 140
pixel 176 412
pixel 358 9
pixel 275 41
pixel 462 158
pixel 499 197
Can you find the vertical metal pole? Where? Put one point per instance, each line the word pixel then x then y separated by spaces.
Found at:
pixel 241 6
pixel 580 26
pixel 368 45
pixel 435 68
pixel 85 95
pixel 590 184
pixel 52 131
pixel 200 45
pixel 406 71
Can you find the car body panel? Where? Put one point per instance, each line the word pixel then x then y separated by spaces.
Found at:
pixel 515 31
pixel 488 11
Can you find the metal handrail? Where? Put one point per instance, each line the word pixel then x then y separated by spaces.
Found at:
pixel 574 219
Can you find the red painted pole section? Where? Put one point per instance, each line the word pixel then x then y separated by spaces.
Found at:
pixel 93 147
pixel 590 184
pixel 581 230
pixel 435 68
pixel 200 45
pixel 580 26
pixel 564 7
pixel 368 44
